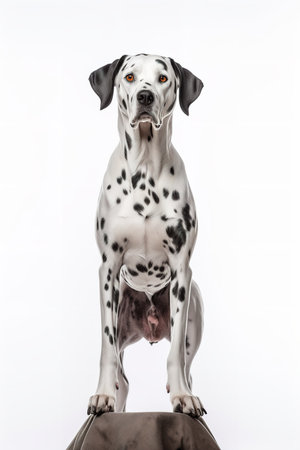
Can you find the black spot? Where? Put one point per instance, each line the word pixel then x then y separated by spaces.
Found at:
pixel 165 192
pixel 175 289
pixel 181 294
pixel 124 104
pixel 125 191
pixel 151 130
pixel 172 170
pixel 150 264
pixel 105 238
pixel 132 272
pixel 97 226
pixel 104 257
pixel 111 341
pixel 128 140
pixel 118 200
pixel 171 250
pixel 193 223
pixel 141 268
pixel 106 287
pixel 138 207
pixel 124 174
pixel 155 197
pixel 187 216
pixel 116 299
pixel 135 179
pixel 147 200
pixel 149 138
pixel 178 235
pixel 125 152
pixel 175 195
pixel 172 322
pixel 106 330
pixel 149 84
pixel 108 187
pixel 155 267
pixel 102 223
pixel 143 186
pixel 163 63
pixel 150 272
pixel 189 253
pixel 151 181
pixel 108 304
pixel 115 246
pixel 164 218
pixel 120 249
pixel 119 180
pixel 143 175
pixel 187 344
pixel 108 277
pixel 173 274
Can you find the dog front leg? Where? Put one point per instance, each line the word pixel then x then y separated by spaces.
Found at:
pixel 181 396
pixel 105 397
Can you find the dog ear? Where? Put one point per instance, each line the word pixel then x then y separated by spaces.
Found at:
pixel 189 88
pixel 102 81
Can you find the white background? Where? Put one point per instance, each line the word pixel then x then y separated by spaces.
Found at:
pixel 239 147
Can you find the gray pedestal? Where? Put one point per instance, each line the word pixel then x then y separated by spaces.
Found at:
pixel 143 431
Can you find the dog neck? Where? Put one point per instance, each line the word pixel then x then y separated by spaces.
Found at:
pixel 145 147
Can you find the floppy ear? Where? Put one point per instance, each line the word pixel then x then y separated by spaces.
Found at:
pixel 189 88
pixel 102 81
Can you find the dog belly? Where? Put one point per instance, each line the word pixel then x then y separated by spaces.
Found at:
pixel 140 317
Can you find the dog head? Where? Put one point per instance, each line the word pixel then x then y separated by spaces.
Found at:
pixel 146 87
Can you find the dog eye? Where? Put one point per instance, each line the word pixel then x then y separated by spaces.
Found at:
pixel 129 77
pixel 163 78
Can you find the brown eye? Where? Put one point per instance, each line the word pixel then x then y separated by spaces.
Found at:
pixel 130 77
pixel 163 78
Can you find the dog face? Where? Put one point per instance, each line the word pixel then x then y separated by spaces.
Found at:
pixel 146 86
pixel 147 89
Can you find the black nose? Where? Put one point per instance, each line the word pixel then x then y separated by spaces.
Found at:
pixel 145 98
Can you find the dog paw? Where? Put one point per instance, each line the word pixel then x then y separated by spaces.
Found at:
pixel 99 404
pixel 188 404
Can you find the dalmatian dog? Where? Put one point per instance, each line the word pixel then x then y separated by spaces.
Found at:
pixel 146 228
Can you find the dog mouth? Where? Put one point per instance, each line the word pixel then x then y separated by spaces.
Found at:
pixel 145 116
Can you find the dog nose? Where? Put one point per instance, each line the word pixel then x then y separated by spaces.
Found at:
pixel 145 97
